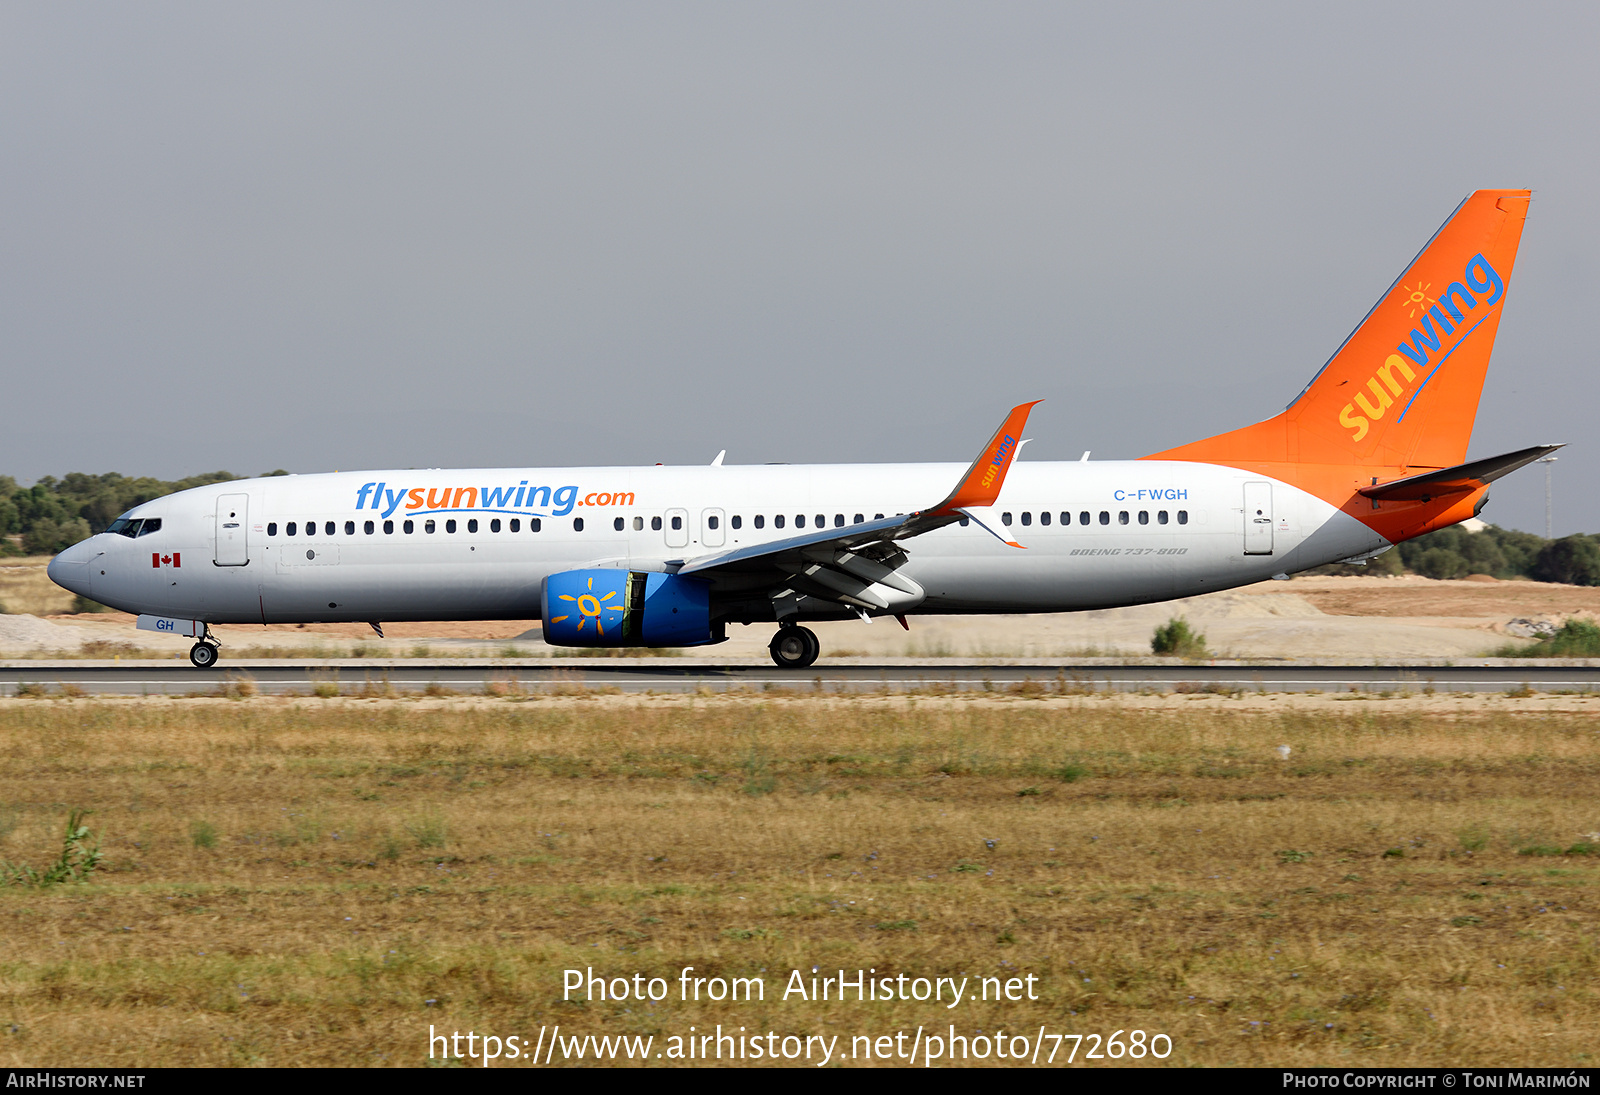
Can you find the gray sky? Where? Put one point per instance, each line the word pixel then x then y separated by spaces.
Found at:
pixel 319 236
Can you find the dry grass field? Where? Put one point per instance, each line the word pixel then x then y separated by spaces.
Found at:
pixel 316 881
pixel 25 587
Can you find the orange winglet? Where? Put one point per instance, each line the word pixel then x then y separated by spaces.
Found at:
pixel 981 485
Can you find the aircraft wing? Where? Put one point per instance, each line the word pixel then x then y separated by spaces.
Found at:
pixel 1461 479
pixel 857 565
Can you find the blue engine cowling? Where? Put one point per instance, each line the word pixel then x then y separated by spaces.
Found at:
pixel 624 608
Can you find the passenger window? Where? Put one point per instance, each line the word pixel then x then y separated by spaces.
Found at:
pixel 638 524
pixel 799 520
pixel 515 524
pixel 327 529
pixel 450 526
pixel 1027 517
pixel 777 521
pixel 1183 517
pixel 409 527
pixel 535 524
pixel 1144 517
pixel 877 516
pixel 1122 517
pixel 349 528
pixel 677 523
pixel 655 524
pixel 1083 517
pixel 1044 518
pixel 388 528
pixel 965 522
pixel 618 524
pixel 736 521
pixel 1005 518
pixel 429 527
pixel 494 524
pixel 290 529
pixel 272 528
pixel 838 520
pixel 1105 518
pixel 761 521
pixel 860 517
pixel 712 522
pixel 1161 517
pixel 369 528
pixel 821 521
pixel 577 524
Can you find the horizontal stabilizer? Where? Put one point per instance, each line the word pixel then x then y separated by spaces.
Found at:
pixel 1461 479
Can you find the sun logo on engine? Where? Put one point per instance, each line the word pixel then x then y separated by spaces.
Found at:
pixel 590 607
pixel 1417 298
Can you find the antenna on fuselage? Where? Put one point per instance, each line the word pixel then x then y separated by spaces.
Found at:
pixel 717 463
pixel 1084 459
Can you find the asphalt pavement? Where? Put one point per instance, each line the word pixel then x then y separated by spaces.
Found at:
pixel 355 676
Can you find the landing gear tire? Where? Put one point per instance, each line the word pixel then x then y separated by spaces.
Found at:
pixel 794 647
pixel 203 655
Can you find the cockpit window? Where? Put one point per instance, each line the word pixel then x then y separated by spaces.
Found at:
pixel 149 525
pixel 124 527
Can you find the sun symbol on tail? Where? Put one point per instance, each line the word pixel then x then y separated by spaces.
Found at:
pixel 1417 298
pixel 589 608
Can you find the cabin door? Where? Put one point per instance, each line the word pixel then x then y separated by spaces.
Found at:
pixel 711 531
pixel 677 528
pixel 233 524
pixel 1258 518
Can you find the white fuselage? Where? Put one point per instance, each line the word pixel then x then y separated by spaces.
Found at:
pixel 1156 530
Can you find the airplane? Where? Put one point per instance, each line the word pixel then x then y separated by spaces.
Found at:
pixel 1368 455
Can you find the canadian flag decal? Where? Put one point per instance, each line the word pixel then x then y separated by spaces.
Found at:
pixel 159 560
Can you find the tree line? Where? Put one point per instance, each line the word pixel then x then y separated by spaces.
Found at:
pixel 1498 552
pixel 54 514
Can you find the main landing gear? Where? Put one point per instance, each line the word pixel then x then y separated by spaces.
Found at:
pixel 794 647
pixel 204 653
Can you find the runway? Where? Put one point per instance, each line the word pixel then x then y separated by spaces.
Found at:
pixel 478 676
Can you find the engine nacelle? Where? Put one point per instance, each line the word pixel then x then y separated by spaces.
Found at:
pixel 625 608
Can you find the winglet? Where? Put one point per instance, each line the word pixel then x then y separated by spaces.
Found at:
pixel 972 516
pixel 981 485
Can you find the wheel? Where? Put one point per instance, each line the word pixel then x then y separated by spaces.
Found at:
pixel 203 655
pixel 794 647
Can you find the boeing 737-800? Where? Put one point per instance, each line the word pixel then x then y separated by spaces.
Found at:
pixel 1369 454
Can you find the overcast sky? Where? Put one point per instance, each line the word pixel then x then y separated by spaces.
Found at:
pixel 319 236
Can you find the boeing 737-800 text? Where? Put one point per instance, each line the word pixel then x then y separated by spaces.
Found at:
pixel 1368 455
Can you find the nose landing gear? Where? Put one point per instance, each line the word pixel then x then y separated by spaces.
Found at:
pixel 794 647
pixel 204 653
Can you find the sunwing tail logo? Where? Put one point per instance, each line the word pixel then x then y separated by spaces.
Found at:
pixel 1446 322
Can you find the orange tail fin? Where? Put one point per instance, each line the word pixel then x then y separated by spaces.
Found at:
pixel 1402 391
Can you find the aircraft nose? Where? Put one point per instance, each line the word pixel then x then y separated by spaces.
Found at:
pixel 70 570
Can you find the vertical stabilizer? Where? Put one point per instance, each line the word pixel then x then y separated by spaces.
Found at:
pixel 1402 391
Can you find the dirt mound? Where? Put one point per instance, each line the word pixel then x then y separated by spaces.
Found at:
pixel 24 630
pixel 1228 605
